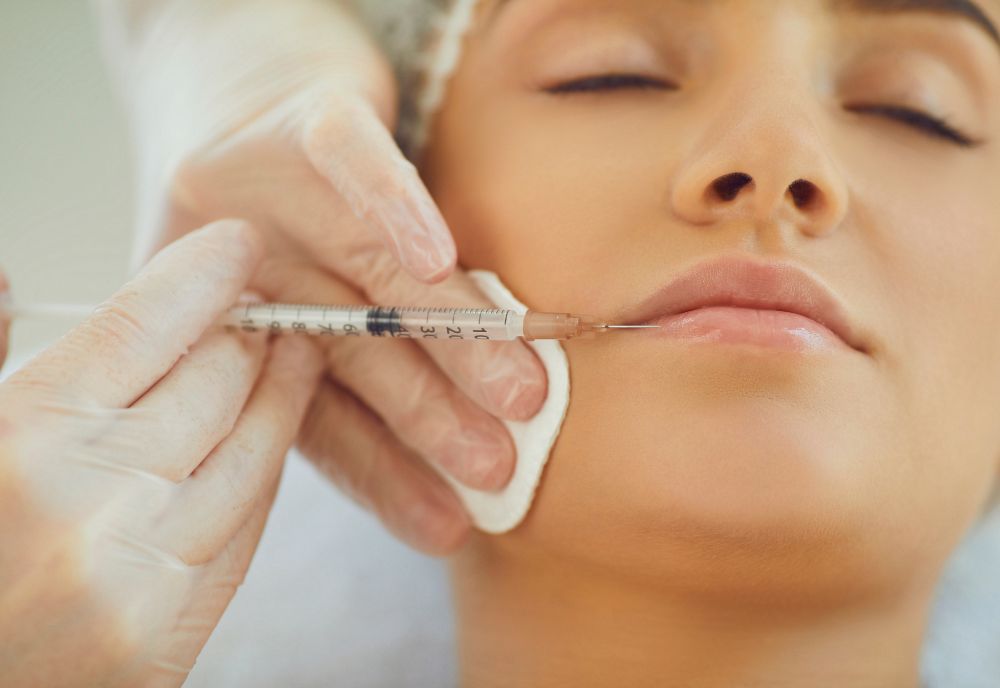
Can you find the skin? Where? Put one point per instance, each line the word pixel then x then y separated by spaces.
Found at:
pixel 723 514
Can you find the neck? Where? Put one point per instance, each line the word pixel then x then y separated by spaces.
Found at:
pixel 552 623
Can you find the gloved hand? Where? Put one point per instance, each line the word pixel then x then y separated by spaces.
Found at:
pixel 139 457
pixel 280 111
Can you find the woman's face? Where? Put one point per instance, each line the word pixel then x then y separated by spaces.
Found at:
pixel 698 460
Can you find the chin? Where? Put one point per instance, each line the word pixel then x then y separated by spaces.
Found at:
pixel 753 495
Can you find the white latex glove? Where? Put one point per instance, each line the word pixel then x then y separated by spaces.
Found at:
pixel 280 111
pixel 139 457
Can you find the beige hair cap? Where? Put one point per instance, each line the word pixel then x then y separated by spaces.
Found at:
pixel 423 41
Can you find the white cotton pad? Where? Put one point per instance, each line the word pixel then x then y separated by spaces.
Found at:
pixel 498 512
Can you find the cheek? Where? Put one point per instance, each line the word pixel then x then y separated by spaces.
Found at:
pixel 550 228
pixel 930 236
pixel 938 258
pixel 568 226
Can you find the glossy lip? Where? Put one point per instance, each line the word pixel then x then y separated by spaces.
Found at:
pixel 750 284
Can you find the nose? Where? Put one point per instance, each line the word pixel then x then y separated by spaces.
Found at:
pixel 768 167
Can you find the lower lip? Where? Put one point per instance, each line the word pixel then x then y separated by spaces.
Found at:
pixel 764 328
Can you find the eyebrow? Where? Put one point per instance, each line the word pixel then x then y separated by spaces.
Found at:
pixel 961 9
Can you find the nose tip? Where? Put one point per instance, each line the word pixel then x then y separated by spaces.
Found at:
pixel 788 177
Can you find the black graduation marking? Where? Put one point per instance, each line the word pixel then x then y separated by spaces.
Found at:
pixel 382 321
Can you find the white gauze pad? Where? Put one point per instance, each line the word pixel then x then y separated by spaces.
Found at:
pixel 498 512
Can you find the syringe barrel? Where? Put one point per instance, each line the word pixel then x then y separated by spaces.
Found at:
pixel 482 324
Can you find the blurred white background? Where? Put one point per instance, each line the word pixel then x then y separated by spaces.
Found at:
pixel 65 167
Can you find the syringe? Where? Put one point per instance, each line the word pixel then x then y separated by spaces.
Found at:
pixel 469 324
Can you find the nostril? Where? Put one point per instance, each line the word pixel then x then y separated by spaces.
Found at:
pixel 803 193
pixel 729 186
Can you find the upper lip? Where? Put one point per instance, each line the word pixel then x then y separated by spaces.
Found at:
pixel 746 283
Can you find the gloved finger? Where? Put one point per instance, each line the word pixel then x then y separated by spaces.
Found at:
pixel 216 584
pixel 229 568
pixel 424 410
pixel 352 149
pixel 4 317
pixel 505 378
pixel 170 430
pixel 416 401
pixel 135 337
pixel 352 447
pixel 219 497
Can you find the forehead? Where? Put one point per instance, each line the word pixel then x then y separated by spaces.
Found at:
pixel 980 13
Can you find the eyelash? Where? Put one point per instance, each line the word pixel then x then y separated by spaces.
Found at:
pixel 933 126
pixel 611 82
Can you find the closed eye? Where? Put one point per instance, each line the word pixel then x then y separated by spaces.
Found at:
pixel 611 82
pixel 928 124
pixel 933 126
